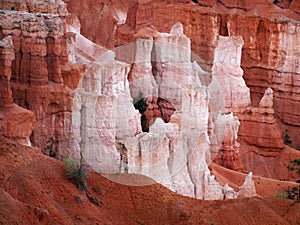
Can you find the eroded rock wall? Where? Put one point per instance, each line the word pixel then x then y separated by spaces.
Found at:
pixel 16 123
pixel 159 71
pixel 40 71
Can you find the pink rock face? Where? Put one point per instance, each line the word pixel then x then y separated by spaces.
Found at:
pixel 260 128
pixel 267 99
pixel 276 67
pixel 99 30
pixel 226 129
pixel 108 129
pixel 247 190
pixel 229 74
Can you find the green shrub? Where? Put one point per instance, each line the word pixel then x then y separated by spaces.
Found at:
pixel 75 173
pixel 294 165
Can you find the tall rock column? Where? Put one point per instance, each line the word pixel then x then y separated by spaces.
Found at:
pixel 16 123
pixel 229 96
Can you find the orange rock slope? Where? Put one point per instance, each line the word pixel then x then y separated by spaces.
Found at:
pixel 35 191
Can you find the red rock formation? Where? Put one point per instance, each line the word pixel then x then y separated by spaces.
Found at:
pixel 98 20
pixel 40 69
pixel 46 50
pixel 16 123
pixel 41 6
pixel 209 3
pixel 259 126
pixel 246 5
pixel 295 5
pixel 7 56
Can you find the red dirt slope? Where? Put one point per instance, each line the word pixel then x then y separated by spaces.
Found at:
pixel 33 190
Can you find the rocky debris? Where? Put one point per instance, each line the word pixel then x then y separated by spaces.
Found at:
pixel 206 3
pixel 32 186
pixel 247 190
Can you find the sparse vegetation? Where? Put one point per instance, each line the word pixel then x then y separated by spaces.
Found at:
pixel 97 189
pixel 292 193
pixel 74 171
pixel 281 195
pixel 294 166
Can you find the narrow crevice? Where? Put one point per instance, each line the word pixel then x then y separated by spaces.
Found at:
pixel 223 25
pixel 140 103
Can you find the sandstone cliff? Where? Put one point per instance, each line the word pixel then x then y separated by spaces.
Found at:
pixel 269 29
pixel 166 102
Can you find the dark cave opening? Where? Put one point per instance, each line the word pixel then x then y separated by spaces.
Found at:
pixel 140 103
pixel 223 26
pixel 160 108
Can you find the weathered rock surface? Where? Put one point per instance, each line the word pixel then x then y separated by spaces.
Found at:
pixel 16 123
pixel 111 141
pixel 87 94
pixel 247 190
pixel 33 187
pixel 259 126
pixel 39 72
pixel 269 57
pixel 35 6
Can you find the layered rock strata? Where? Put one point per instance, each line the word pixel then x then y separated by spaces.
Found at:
pixel 108 129
pixel 16 123
pixel 41 71
pixel 86 98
